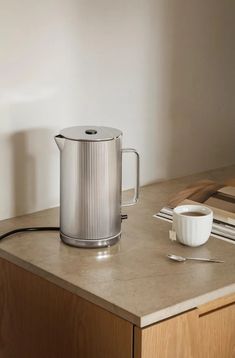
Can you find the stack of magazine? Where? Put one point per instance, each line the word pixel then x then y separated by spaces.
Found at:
pixel 219 198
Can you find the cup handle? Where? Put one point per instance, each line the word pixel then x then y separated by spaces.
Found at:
pixel 137 182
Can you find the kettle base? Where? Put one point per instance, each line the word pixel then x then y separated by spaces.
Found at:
pixel 90 243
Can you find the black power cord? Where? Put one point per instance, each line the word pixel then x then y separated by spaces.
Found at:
pixel 40 228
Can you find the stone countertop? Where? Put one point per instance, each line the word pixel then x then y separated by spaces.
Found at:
pixel 132 279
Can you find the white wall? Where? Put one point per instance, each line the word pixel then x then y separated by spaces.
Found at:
pixel 162 71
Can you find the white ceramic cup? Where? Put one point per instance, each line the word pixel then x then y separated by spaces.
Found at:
pixel 192 230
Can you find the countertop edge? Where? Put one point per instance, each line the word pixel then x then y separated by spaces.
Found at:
pixel 188 305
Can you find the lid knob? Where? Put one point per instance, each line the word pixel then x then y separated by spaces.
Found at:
pixel 91 131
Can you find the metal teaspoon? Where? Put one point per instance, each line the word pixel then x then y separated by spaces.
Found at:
pixel 181 259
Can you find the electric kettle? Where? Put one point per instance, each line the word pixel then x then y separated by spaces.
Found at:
pixel 91 185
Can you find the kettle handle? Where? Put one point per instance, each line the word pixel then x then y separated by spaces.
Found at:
pixel 137 182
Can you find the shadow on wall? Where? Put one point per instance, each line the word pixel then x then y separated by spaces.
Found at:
pixel 201 87
pixel 32 156
pixel 193 46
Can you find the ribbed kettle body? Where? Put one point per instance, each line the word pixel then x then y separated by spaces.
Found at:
pixel 90 189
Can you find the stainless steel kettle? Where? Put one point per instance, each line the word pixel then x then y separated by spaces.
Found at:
pixel 91 185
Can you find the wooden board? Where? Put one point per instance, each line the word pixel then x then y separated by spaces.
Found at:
pixel 229 190
pixel 40 320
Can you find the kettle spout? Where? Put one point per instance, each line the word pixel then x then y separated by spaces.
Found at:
pixel 59 139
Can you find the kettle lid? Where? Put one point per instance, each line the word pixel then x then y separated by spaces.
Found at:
pixel 90 133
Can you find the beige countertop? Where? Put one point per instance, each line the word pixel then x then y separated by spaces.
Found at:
pixel 132 279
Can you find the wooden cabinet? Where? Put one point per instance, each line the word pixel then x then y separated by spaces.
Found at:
pixel 41 320
pixel 206 332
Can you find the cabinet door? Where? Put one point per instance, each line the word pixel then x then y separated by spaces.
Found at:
pixel 175 337
pixel 206 332
pixel 41 320
pixel 217 333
